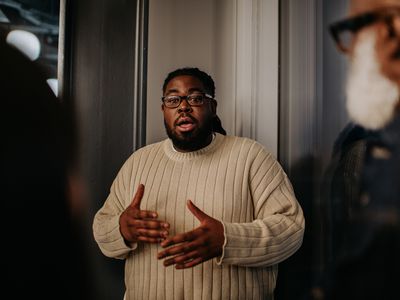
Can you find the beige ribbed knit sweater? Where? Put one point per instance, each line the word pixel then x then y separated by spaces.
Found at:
pixel 234 180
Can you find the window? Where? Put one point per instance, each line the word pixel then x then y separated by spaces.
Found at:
pixel 33 27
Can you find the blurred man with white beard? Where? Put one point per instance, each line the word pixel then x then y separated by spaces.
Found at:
pixel 370 37
pixel 362 256
pixel 371 96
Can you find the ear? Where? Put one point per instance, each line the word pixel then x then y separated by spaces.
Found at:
pixel 162 107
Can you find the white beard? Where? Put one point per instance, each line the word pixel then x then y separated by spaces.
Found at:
pixel 371 97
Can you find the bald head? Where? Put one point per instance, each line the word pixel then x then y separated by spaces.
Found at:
pixel 361 6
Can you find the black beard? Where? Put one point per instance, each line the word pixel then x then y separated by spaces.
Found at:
pixel 193 140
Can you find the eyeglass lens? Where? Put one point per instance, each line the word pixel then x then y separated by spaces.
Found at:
pixel 175 101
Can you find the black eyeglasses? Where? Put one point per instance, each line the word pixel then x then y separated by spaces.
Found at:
pixel 196 99
pixel 343 31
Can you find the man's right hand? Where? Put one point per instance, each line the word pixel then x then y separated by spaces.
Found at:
pixel 141 225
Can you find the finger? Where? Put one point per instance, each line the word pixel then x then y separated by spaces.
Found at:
pixel 189 264
pixel 152 233
pixel 172 241
pixel 199 214
pixel 179 238
pixel 151 240
pixel 138 197
pixel 144 214
pixel 181 259
pixel 182 248
pixel 169 252
pixel 135 213
pixel 169 262
pixel 148 224
pixel 175 250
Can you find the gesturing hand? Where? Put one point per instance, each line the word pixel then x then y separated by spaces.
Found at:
pixel 141 225
pixel 194 247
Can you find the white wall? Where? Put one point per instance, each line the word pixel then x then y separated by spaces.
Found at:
pixel 236 42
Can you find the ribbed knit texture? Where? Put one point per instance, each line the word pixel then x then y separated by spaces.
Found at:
pixel 234 180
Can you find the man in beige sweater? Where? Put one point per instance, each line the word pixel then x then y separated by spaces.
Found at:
pixel 200 215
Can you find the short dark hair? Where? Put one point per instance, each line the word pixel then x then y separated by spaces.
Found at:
pixel 205 78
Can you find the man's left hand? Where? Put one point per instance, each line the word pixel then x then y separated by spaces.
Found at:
pixel 196 246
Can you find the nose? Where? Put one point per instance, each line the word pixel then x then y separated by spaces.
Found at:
pixel 184 106
pixel 396 25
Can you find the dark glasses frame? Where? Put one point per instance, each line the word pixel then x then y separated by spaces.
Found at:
pixel 356 23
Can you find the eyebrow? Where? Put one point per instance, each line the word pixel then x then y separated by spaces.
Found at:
pixel 191 90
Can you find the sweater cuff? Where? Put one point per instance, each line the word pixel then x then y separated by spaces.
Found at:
pixel 234 245
pixel 219 259
pixel 117 242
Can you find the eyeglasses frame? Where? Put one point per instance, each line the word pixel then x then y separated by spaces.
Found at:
pixel 207 96
pixel 357 22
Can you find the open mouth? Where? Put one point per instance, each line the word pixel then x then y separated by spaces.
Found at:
pixel 185 124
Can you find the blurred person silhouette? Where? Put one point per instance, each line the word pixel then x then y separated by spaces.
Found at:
pixel 42 253
pixel 364 208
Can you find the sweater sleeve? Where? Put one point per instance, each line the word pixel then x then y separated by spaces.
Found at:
pixel 106 221
pixel 278 227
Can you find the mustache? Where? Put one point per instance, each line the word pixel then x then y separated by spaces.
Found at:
pixel 185 115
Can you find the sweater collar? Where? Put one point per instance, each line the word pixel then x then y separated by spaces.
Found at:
pixel 182 156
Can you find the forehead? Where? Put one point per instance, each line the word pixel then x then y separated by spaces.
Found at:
pixel 184 83
pixel 362 6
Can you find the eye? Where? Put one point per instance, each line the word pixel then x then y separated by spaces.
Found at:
pixel 171 100
pixel 196 99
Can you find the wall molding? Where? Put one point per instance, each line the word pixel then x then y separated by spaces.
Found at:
pixel 299 85
pixel 140 83
pixel 257 71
